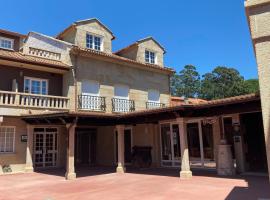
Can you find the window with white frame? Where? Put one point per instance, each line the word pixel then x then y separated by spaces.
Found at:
pixel 93 42
pixel 121 101
pixel 150 57
pixel 90 95
pixel 6 43
pixel 7 139
pixel 153 96
pixel 35 86
pixel 121 91
pixel 90 88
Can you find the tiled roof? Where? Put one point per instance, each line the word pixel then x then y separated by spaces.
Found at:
pixel 19 57
pixel 119 58
pixel 206 104
pixel 231 100
pixel 176 101
pixel 203 105
pixel 12 33
pixel 139 41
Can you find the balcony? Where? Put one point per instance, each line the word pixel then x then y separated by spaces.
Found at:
pixel 27 100
pixel 92 103
pixel 152 105
pixel 122 105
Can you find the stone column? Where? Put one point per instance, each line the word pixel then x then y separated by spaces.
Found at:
pixel 29 149
pixel 185 166
pixel 121 149
pixel 70 169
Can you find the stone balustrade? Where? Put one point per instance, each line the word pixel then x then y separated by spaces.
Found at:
pixel 44 54
pixel 26 100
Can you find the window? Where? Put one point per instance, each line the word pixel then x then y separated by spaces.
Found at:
pixel 7 139
pixel 6 43
pixel 35 86
pixel 153 96
pixel 121 91
pixel 150 57
pixel 93 42
pixel 90 87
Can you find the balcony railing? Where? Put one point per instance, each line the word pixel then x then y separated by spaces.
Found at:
pixel 94 103
pixel 152 105
pixel 122 105
pixel 18 99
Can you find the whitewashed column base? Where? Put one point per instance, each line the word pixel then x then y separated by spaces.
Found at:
pixel 70 176
pixel 185 174
pixel 29 169
pixel 120 169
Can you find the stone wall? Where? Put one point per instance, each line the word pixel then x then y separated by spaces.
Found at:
pixel 258 13
pixel 109 74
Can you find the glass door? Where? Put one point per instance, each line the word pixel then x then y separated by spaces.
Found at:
pixel 170 144
pixel 194 144
pixel 45 147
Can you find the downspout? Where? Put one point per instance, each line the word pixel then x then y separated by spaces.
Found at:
pixel 74 75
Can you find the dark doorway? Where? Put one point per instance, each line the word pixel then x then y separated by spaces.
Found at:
pixel 193 140
pixel 85 146
pixel 228 131
pixel 128 145
pixel 252 128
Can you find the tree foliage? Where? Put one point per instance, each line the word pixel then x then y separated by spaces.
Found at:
pixel 252 85
pixel 222 82
pixel 186 83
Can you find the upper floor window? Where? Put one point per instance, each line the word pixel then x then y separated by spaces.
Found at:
pixel 7 139
pixel 121 91
pixel 153 96
pixel 35 86
pixel 93 42
pixel 150 57
pixel 6 43
pixel 90 88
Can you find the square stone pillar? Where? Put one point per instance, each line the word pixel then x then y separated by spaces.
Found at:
pixel 70 168
pixel 185 166
pixel 121 149
pixel 29 149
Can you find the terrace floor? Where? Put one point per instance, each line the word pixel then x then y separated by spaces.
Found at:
pixel 103 183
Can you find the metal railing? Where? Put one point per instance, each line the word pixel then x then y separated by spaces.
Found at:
pixel 152 105
pixel 122 105
pixel 8 98
pixel 93 103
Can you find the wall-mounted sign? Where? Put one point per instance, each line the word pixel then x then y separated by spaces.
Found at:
pixel 24 138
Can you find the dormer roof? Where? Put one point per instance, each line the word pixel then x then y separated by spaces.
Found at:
pixel 85 21
pixel 139 42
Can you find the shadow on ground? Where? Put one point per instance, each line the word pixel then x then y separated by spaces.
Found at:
pixel 258 186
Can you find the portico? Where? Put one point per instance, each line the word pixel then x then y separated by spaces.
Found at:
pixel 185 136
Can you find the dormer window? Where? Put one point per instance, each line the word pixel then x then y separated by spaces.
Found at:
pixel 150 57
pixel 6 43
pixel 93 42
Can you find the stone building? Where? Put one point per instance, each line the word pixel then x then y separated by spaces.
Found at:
pixel 258 15
pixel 69 101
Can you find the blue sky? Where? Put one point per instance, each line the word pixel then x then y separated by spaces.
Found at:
pixel 203 33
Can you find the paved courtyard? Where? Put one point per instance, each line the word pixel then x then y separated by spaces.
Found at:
pixel 136 184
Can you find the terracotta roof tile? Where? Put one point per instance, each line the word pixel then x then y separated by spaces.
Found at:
pixel 119 58
pixel 19 57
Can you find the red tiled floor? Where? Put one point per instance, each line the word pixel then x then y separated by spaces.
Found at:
pixel 144 184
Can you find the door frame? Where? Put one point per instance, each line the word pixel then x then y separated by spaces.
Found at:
pixel 57 146
pixel 175 163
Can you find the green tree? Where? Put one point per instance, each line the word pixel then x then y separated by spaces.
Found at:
pixel 222 82
pixel 252 85
pixel 186 83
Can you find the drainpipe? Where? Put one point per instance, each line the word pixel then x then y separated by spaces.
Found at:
pixel 74 75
